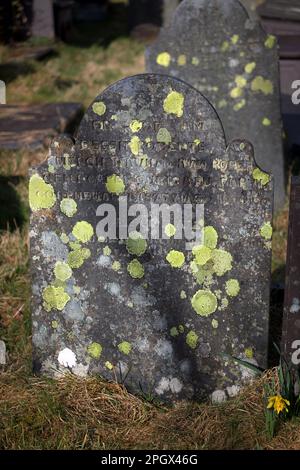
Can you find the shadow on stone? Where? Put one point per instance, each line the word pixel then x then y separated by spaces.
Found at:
pixel 12 212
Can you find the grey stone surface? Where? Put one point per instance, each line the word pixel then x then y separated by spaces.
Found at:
pixel 156 315
pixel 43 19
pixel 216 47
pixel 2 353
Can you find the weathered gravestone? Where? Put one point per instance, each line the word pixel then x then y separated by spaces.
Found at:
pixel 150 310
pixel 291 318
pixel 215 46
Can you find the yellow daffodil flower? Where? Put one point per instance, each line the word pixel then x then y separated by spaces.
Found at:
pixel 278 403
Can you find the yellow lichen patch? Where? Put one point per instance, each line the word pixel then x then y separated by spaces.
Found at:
pixel 83 231
pixel 125 347
pixel 62 271
pixel 210 237
pixel 270 41
pixel 192 339
pixel 55 297
pixel 136 244
pixel 250 67
pixel 68 207
pixel 108 365
pixel 136 126
pixel 170 230
pixel 163 136
pixel 266 231
pixel 136 269
pixel 99 108
pixel 266 122
pixel 54 324
pixel 181 61
pixel 239 105
pixel 249 353
pixel 232 287
pixel 261 177
pixel 106 251
pixel 222 261
pixel 240 81
pixel 116 266
pixel 202 254
pixel 115 185
pixel 204 303
pixel 236 93
pixel 183 295
pixel 225 46
pixel 197 142
pixel 173 103
pixel 77 257
pixel 222 104
pixel 94 350
pixel 175 258
pixel 64 238
pixel 214 323
pixel 41 194
pixel 195 61
pixel 163 59
pixel 263 85
pixel 135 145
pixel 235 38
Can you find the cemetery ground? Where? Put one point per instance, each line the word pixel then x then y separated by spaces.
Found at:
pixel 75 413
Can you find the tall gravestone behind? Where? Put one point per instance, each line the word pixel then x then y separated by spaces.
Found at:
pixel 150 310
pixel 215 46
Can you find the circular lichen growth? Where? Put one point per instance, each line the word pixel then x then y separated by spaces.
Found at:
pixel 202 254
pixel 106 251
pixel 135 269
pixel 125 347
pixel 163 136
pixel 261 176
pixel 204 303
pixel 99 108
pixel 116 266
pixel 222 261
pixel 77 257
pixel 192 339
pixel 136 244
pixel 55 297
pixel 94 350
pixel 232 287
pixel 136 126
pixel 210 237
pixel 170 230
pixel 263 85
pixel 266 231
pixel 173 103
pixel 115 185
pixel 41 194
pixel 83 231
pixel 62 271
pixel 163 59
pixel 68 207
pixel 175 258
pixel 174 331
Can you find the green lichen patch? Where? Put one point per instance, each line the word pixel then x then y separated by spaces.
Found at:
pixel 262 85
pixel 250 67
pixel 181 329
pixel 249 353
pixel 83 231
pixel 99 108
pixel 204 303
pixel 94 350
pixel 76 258
pixel 174 331
pixel 106 251
pixel 202 254
pixel 163 136
pixel 116 266
pixel 183 294
pixel 222 261
pixel 175 258
pixel 192 339
pixel 173 103
pixel 136 126
pixel 163 59
pixel 136 244
pixel 181 61
pixel 210 237
pixel 62 271
pixel 261 176
pixel 135 145
pixel 125 347
pixel 41 194
pixel 170 230
pixel 136 269
pixel 64 238
pixel 68 207
pixel 266 231
pixel 55 297
pixel 270 41
pixel 115 185
pixel 215 323
pixel 54 324
pixel 232 287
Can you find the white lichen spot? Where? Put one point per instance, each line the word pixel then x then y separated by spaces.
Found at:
pixel 218 396
pixel 67 358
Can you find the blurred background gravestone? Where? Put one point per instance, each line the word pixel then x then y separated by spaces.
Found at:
pixel 216 47
pixel 150 310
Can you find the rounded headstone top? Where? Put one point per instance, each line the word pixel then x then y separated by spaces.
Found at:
pixel 143 105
